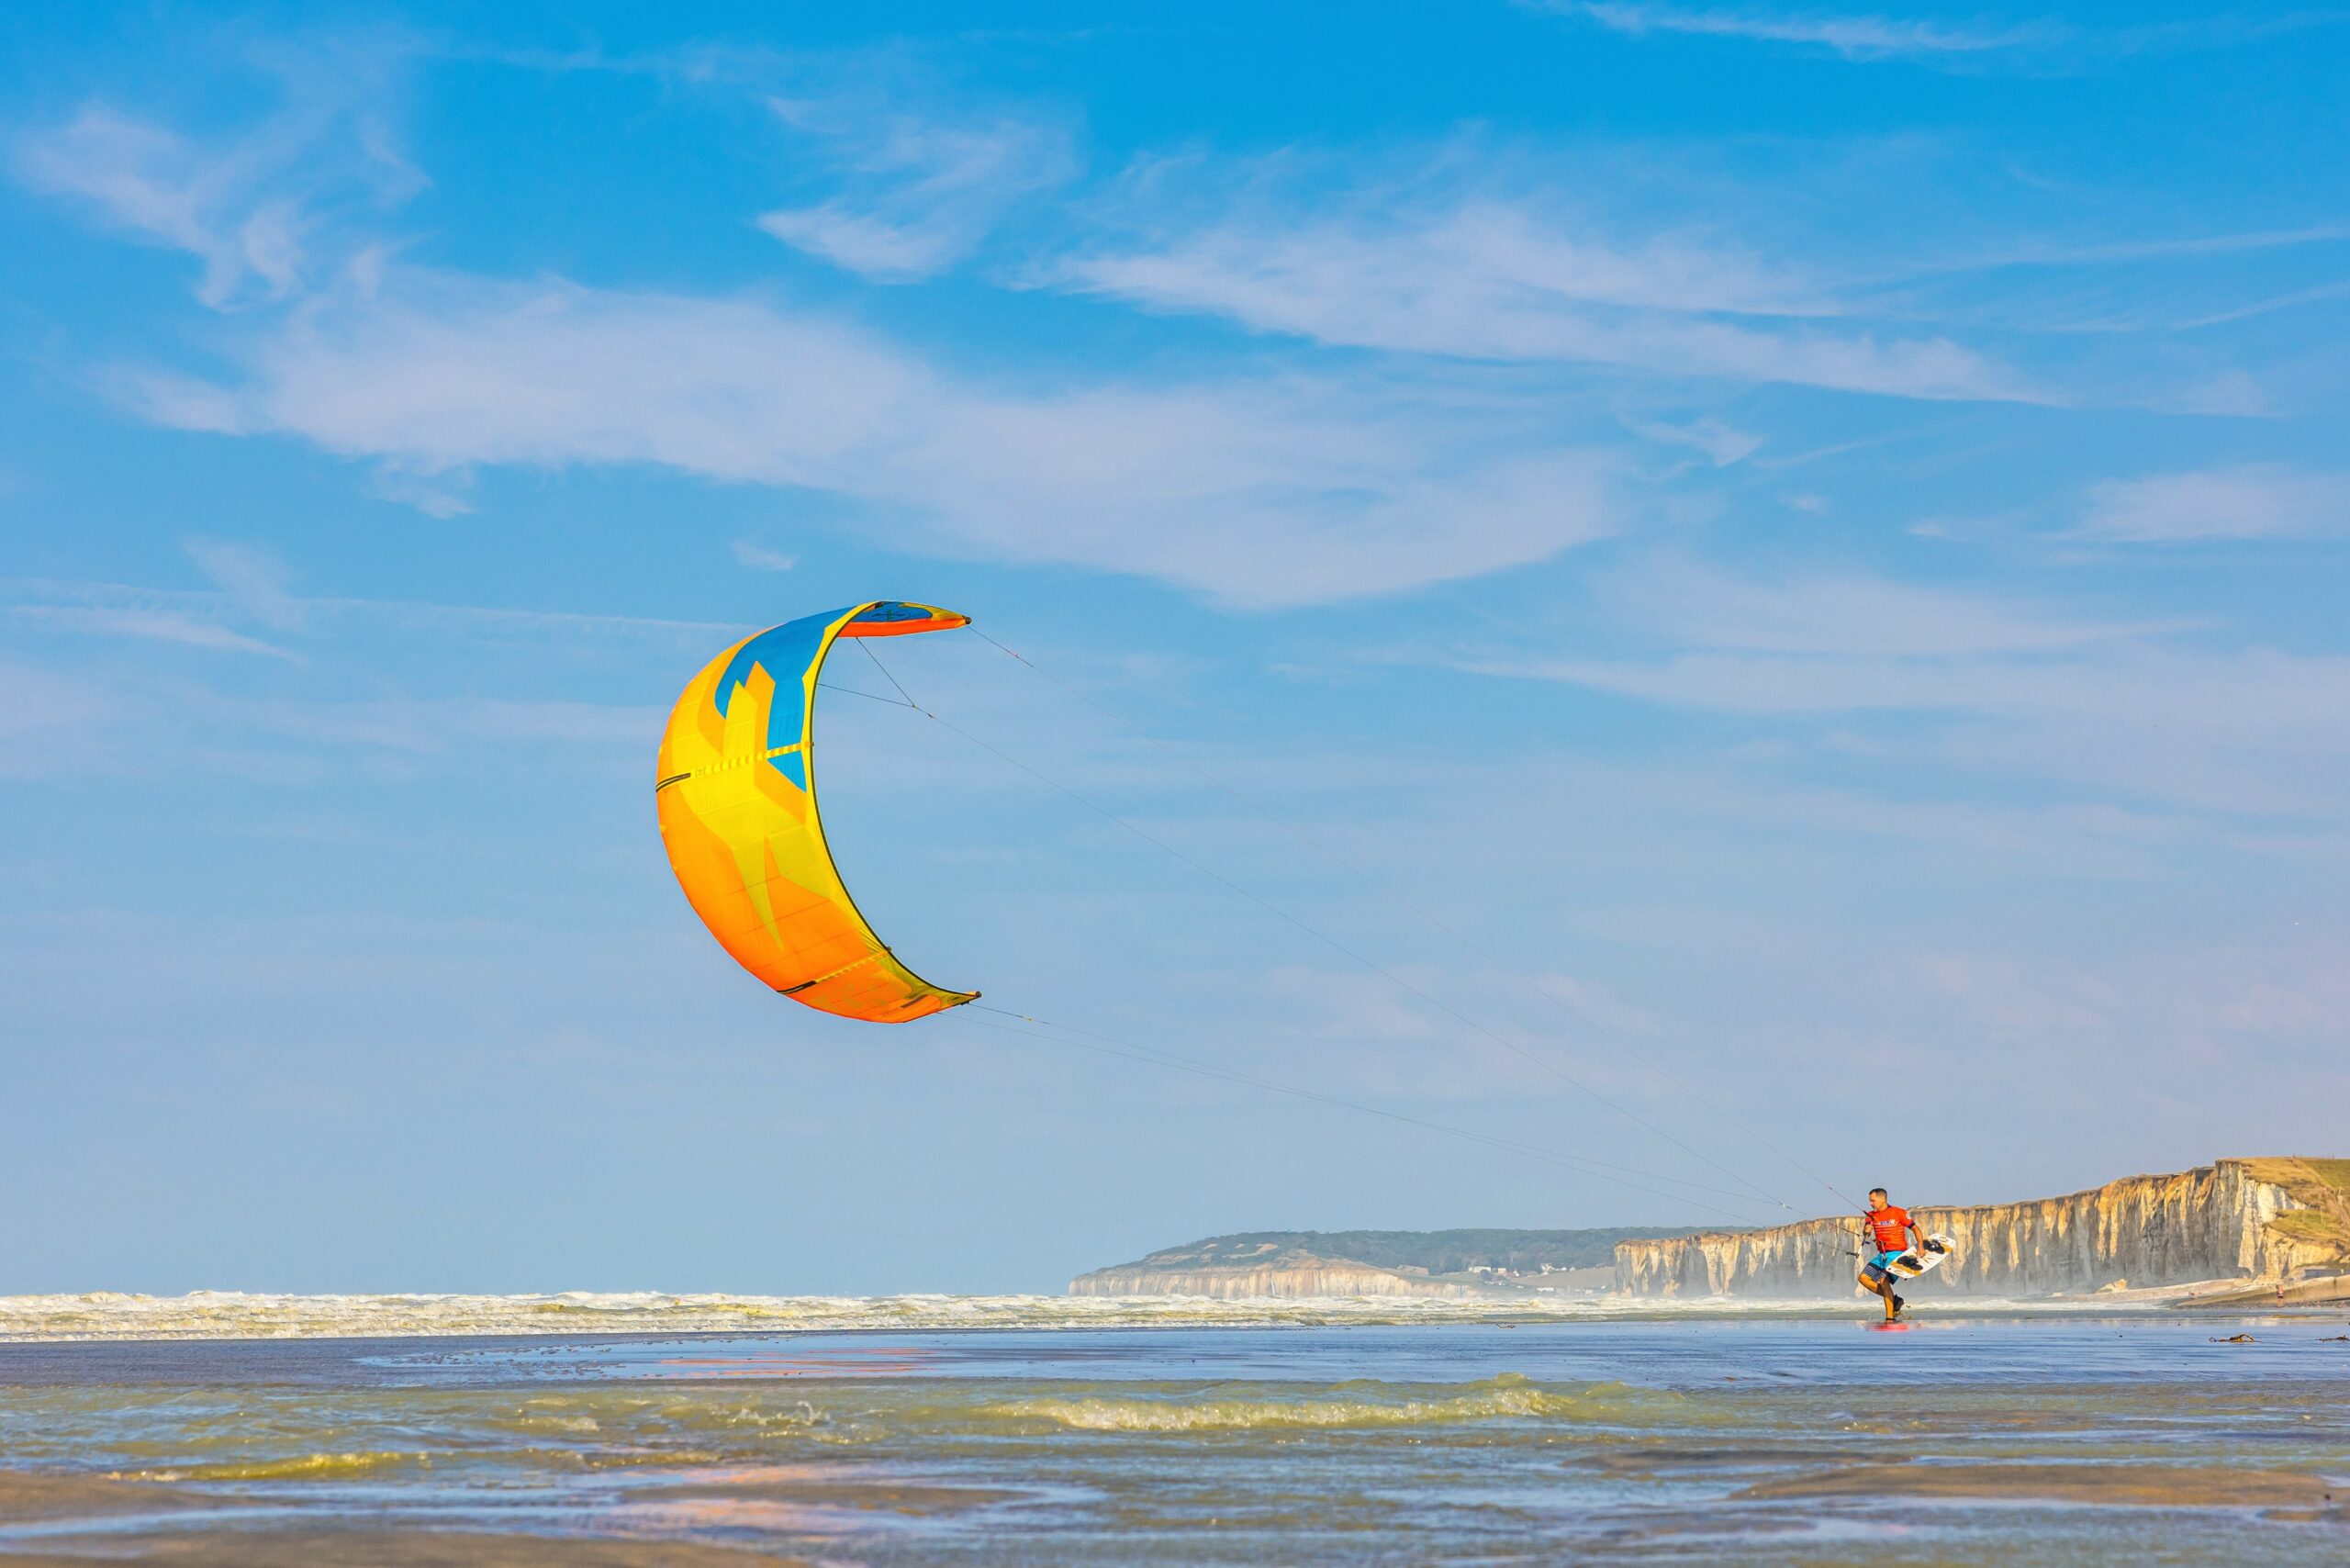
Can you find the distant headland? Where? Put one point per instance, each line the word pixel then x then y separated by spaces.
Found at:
pixel 2228 1233
pixel 1374 1262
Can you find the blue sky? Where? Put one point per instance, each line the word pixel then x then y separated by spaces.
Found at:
pixel 1817 536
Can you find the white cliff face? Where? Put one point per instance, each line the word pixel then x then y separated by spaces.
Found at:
pixel 2212 1223
pixel 1285 1276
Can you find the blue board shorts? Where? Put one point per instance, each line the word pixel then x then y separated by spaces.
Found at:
pixel 1880 1265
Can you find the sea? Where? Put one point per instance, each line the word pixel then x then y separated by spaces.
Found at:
pixel 621 1429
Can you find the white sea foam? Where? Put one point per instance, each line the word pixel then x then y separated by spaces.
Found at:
pixel 235 1314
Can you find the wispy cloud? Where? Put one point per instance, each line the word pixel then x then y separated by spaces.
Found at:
pixel 897 169
pixel 1845 614
pixel 252 205
pixel 1852 36
pixel 1254 491
pixel 1412 266
pixel 760 558
pixel 252 594
pixel 2172 248
pixel 2254 733
pixel 920 193
pixel 147 726
pixel 251 576
pixel 1723 444
pixel 2321 293
pixel 2134 709
pixel 143 625
pixel 2218 504
pixel 153 183
pixel 64 601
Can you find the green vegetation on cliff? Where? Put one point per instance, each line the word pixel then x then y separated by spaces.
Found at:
pixel 2325 1186
pixel 1416 1252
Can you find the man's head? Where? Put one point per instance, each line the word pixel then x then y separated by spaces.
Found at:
pixel 1879 1198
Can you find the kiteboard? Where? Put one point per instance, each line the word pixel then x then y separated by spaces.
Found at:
pixel 1924 1258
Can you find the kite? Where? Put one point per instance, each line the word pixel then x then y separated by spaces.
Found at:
pixel 736 788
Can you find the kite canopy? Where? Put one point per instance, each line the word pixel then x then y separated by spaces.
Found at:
pixel 736 788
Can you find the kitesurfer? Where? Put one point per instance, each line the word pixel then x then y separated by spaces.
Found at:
pixel 1889 1233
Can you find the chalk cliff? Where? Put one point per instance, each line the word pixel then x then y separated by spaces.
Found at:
pixel 1303 1263
pixel 2234 1219
pixel 1280 1273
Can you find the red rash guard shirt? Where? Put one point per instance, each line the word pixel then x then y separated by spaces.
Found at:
pixel 1892 1227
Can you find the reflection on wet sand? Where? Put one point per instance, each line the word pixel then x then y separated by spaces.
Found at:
pixel 838 1486
pixel 656 1527
pixel 364 1548
pixel 2140 1486
pixel 36 1499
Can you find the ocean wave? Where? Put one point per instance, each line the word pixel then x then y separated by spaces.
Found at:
pixel 297 1467
pixel 236 1315
pixel 1509 1397
pixel 241 1315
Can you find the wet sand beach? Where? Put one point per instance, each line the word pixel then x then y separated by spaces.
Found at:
pixel 2014 1441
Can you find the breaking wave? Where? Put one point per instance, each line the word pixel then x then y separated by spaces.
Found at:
pixel 300 1467
pixel 235 1314
pixel 1345 1406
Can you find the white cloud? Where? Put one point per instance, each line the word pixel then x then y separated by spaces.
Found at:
pixel 210 618
pixel 1255 492
pixel 759 558
pixel 2321 293
pixel 255 207
pixel 144 625
pixel 249 576
pixel 1847 614
pixel 1507 280
pixel 440 498
pixel 1853 37
pixel 2250 502
pixel 860 243
pixel 155 185
pixel 2013 689
pixel 1722 445
pixel 922 193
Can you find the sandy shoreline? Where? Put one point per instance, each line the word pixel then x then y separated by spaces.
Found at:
pixel 57 1502
pixel 227 1316
pixel 111 1506
pixel 2123 1485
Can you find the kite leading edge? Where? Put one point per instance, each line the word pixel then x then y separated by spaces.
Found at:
pixel 736 788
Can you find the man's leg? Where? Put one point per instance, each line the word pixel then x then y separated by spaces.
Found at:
pixel 1881 1285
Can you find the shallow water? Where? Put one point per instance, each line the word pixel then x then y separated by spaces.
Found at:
pixel 237 1314
pixel 2011 1439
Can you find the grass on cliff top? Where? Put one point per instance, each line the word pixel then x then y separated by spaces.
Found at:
pixel 2325 1186
pixel 1437 1252
pixel 2321 1183
pixel 2307 1225
pixel 2334 1173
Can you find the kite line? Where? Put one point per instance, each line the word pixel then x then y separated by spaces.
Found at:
pixel 1386 889
pixel 1129 1050
pixel 1320 935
